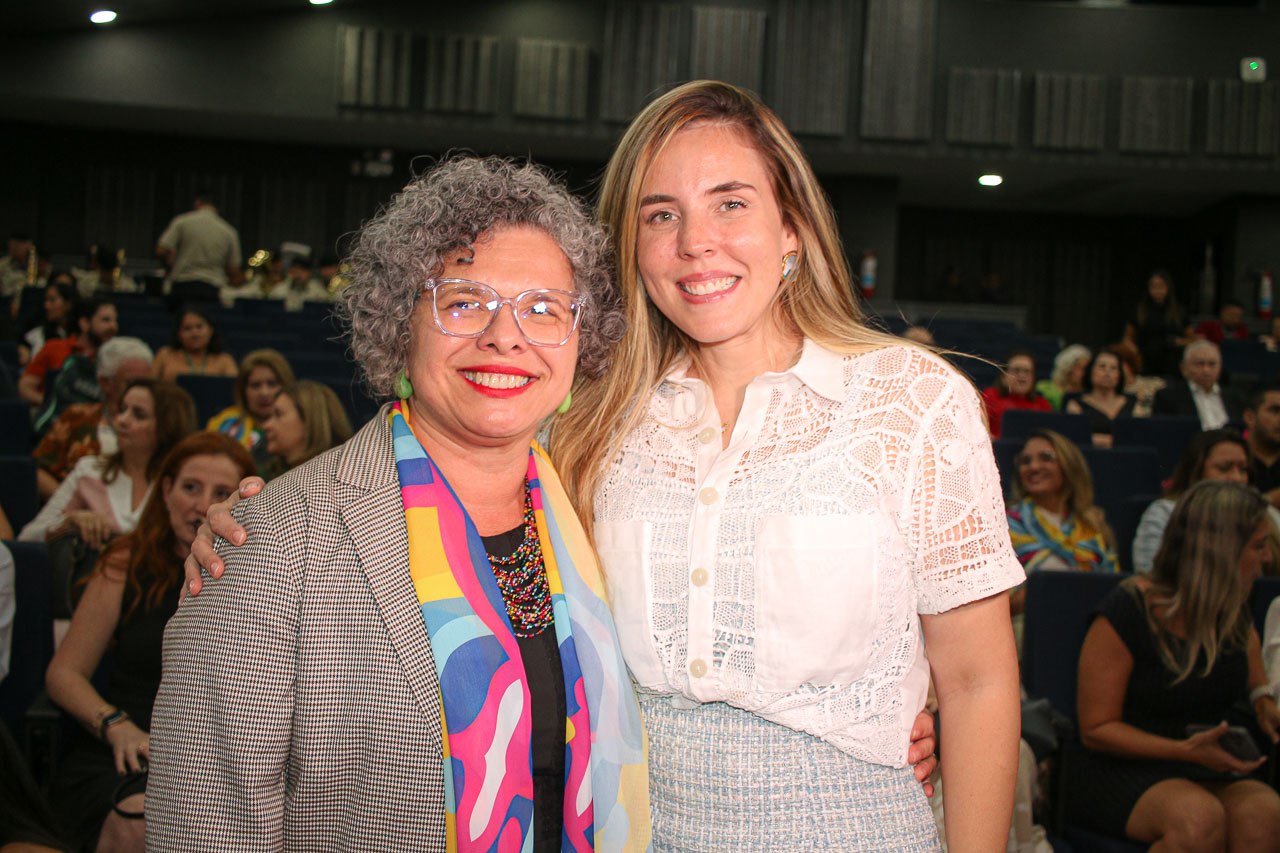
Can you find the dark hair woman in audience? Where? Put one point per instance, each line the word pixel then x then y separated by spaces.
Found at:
pixel 306 419
pixel 1159 327
pixel 55 319
pixel 1053 521
pixel 1103 398
pixel 1165 660
pixel 1014 389
pixel 124 606
pixel 194 347
pixel 263 373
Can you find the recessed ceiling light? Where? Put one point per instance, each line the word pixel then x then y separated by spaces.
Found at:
pixel 991 180
pixel 103 16
pixel 321 2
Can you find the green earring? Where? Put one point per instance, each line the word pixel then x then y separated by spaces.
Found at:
pixel 403 387
pixel 564 406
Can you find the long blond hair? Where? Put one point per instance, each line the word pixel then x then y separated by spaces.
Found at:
pixel 1196 583
pixel 1076 481
pixel 818 302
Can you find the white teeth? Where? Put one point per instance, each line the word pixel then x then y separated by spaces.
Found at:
pixel 497 380
pixel 714 285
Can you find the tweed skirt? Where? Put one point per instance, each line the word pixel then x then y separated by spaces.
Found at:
pixel 722 780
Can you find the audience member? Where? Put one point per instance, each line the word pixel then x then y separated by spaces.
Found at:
pixel 1219 454
pixel 201 252
pixel 1014 389
pixel 1102 400
pixel 96 323
pixel 85 429
pixel 1161 668
pixel 13 271
pixel 1141 387
pixel 104 495
pixel 262 374
pixel 6 530
pixel 125 604
pixel 57 315
pixel 194 347
pixel 102 272
pixel 1053 521
pixel 1262 417
pixel 1271 647
pixel 299 286
pixel 1228 324
pixel 1067 376
pixel 920 334
pixel 1158 326
pixel 1198 392
pixel 1272 339
pixel 306 419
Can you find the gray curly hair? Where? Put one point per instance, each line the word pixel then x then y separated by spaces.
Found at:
pixel 446 209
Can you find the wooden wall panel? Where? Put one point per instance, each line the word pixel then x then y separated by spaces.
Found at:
pixel 1069 111
pixel 642 52
pixel 374 67
pixel 552 79
pixel 119 209
pixel 1155 115
pixel 1242 119
pixel 983 106
pixel 897 69
pixel 460 74
pixel 728 44
pixel 811 69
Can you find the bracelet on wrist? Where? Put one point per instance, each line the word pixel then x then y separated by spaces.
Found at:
pixel 116 716
pixel 1266 691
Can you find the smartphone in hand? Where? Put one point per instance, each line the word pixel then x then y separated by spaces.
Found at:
pixel 1235 741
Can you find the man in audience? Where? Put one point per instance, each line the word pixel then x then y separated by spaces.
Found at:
pixel 1229 323
pixel 202 253
pixel 85 429
pixel 1262 417
pixel 13 270
pixel 96 322
pixel 299 286
pixel 1198 393
pixel 77 380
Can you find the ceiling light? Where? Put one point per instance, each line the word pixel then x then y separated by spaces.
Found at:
pixel 321 2
pixel 103 16
pixel 991 180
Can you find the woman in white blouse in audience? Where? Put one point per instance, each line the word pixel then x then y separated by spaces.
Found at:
pixel 790 506
pixel 104 495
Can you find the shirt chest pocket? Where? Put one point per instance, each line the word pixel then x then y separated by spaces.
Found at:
pixel 815 600
pixel 624 548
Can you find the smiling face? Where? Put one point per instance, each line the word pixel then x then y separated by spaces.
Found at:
pixel 493 389
pixel 1039 471
pixel 260 390
pixel 136 424
pixel 711 238
pixel 285 430
pixel 1020 374
pixel 201 480
pixel 194 333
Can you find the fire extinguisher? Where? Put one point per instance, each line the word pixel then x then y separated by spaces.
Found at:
pixel 867 274
pixel 1264 295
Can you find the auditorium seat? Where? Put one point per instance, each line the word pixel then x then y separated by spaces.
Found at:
pixel 15 427
pixel 1168 435
pixel 1019 423
pixel 1124 524
pixel 32 644
pixel 211 393
pixel 18 489
pixel 1121 472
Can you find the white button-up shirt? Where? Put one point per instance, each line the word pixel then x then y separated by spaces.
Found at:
pixel 785 573
pixel 1209 406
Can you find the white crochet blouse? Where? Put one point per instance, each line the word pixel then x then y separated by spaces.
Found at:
pixel 784 575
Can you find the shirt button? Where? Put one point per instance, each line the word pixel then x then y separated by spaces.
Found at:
pixel 699 576
pixel 708 496
pixel 698 668
pixel 707 436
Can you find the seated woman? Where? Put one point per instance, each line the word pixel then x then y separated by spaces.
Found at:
pixel 306 419
pixel 1219 454
pixel 194 347
pixel 125 605
pixel 1014 389
pixel 57 311
pixel 263 373
pixel 1161 668
pixel 1102 400
pixel 1053 521
pixel 1067 376
pixel 104 495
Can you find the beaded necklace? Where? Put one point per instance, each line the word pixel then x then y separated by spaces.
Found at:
pixel 522 579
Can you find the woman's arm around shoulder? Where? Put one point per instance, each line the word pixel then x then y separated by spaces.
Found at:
pixel 221 729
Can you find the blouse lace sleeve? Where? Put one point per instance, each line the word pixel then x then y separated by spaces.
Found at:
pixel 957 529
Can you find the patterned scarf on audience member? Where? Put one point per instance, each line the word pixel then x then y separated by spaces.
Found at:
pixel 485 694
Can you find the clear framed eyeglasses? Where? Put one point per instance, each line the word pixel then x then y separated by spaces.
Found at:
pixel 465 309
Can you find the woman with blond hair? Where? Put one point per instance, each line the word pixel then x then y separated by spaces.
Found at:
pixel 306 419
pixel 263 373
pixel 1166 659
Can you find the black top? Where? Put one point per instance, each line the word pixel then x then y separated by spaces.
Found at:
pixel 1264 477
pixel 1151 702
pixel 1099 421
pixel 541 658
pixel 135 675
pixel 1157 342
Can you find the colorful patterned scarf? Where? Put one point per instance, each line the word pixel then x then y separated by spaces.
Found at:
pixel 485 696
pixel 1037 538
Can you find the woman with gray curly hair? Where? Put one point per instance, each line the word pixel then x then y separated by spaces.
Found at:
pixel 421 654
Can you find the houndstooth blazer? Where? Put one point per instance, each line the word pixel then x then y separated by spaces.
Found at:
pixel 300 708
